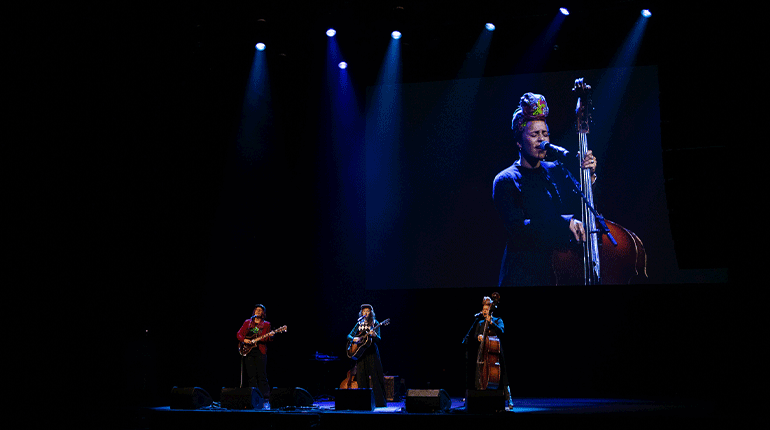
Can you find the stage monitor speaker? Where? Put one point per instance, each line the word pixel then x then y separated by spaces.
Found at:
pixel 189 398
pixel 354 399
pixel 427 401
pixel 242 398
pixel 290 398
pixel 485 401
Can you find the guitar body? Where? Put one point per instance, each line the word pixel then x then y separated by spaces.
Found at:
pixel 245 349
pixel 356 350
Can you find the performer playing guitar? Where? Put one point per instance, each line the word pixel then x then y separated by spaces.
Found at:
pixel 358 344
pixel 251 341
pixel 252 338
pixel 368 365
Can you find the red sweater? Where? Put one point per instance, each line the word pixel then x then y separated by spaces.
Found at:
pixel 252 329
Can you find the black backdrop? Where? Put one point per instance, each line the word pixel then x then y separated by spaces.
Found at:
pixel 163 238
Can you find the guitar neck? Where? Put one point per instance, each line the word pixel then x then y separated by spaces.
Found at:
pixel 260 338
pixel 265 336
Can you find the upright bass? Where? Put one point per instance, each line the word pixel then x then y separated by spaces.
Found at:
pixel 488 370
pixel 611 254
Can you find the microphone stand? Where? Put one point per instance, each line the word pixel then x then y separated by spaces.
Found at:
pixel 465 339
pixel 468 367
pixel 603 229
pixel 242 358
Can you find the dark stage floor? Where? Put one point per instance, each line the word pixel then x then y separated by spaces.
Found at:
pixel 527 413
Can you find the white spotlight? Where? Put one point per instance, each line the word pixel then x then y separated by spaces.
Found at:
pixel 489 26
pixel 331 32
pixel 260 46
pixel 563 11
pixel 396 35
pixel 343 65
pixel 646 13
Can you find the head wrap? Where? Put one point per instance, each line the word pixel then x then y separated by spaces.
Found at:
pixel 532 107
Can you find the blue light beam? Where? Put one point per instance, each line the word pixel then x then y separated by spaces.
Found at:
pixel 385 190
pixel 612 85
pixel 476 60
pixel 256 112
pixel 536 56
pixel 341 160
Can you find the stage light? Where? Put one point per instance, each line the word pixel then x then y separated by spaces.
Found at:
pixel 564 11
pixel 490 26
pixel 260 46
pixel 396 35
pixel 331 32
pixel 646 13
pixel 343 65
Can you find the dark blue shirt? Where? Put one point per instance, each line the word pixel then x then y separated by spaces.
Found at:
pixel 536 206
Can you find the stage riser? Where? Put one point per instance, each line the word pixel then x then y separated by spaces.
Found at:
pixel 241 420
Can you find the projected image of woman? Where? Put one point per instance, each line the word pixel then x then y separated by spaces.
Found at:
pixel 535 200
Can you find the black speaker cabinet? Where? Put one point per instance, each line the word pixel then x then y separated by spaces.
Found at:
pixel 355 399
pixel 242 398
pixel 427 401
pixel 290 397
pixel 189 398
pixel 484 401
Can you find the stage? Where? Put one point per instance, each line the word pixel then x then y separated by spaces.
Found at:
pixel 528 412
pixel 210 175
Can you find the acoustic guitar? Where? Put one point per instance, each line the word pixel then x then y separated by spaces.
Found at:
pixel 356 350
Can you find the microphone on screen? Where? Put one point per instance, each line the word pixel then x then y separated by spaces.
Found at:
pixel 561 152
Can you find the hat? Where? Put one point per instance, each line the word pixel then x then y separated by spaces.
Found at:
pixel 532 107
pixel 365 305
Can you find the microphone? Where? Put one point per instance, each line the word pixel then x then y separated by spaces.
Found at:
pixel 561 152
pixel 479 314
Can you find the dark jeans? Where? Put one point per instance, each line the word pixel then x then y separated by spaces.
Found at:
pixel 255 365
pixel 370 365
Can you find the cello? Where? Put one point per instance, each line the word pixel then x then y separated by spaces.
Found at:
pixel 350 382
pixel 611 254
pixel 488 370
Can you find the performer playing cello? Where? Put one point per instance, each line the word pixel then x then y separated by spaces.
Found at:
pixel 535 200
pixel 485 361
